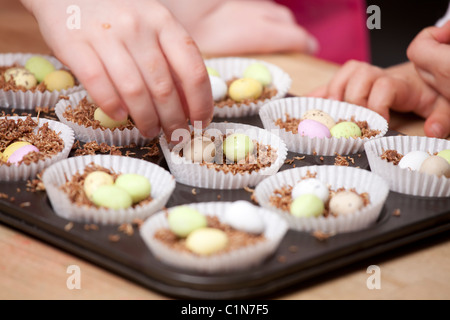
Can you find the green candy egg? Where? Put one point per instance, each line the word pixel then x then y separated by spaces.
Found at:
pixel 213 72
pixel 106 121
pixel 111 197
pixel 183 220
pixel 245 88
pixel 237 146
pixel 59 80
pixel 22 77
pixel 259 72
pixel 346 130
pixel 206 241
pixel 307 205
pixel 445 154
pixel 94 180
pixel 40 67
pixel 137 186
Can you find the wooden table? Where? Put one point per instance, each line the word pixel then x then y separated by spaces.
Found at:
pixel 31 269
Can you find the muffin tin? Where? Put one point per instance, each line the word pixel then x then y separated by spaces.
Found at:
pixel 299 257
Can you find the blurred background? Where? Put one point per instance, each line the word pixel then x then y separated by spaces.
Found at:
pixel 401 20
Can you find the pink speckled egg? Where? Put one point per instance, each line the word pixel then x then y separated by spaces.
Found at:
pixel 18 155
pixel 313 129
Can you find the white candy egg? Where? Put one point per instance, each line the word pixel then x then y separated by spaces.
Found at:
pixel 311 186
pixel 244 216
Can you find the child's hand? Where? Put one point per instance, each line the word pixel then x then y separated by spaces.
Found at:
pixel 430 53
pixel 245 26
pixel 133 57
pixel 398 88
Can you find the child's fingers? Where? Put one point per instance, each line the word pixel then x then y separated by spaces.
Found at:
pixel 360 84
pixel 129 84
pixel 159 81
pixel 336 87
pixel 438 122
pixel 90 71
pixel 189 68
pixel 431 58
pixel 386 93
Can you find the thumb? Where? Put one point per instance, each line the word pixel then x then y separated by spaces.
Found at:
pixel 438 122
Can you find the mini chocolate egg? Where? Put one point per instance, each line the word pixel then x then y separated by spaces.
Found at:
pixel 137 186
pixel 243 216
pixel 39 66
pixel 106 121
pixel 94 180
pixel 436 165
pixel 320 116
pixel 311 186
pixel 183 220
pixel 445 154
pixel 307 205
pixel 237 147
pixel 206 241
pixel 413 160
pixel 245 88
pixel 219 88
pixel 212 72
pixel 13 147
pixel 59 80
pixel 259 72
pixel 18 155
pixel 346 129
pixel 345 202
pixel 22 77
pixel 200 149
pixel 313 129
pixel 111 197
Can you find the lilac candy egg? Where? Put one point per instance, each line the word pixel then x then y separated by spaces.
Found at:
pixel 313 129
pixel 18 155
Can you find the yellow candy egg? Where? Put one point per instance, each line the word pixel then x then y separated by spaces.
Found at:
pixel 106 121
pixel 206 241
pixel 245 88
pixel 59 80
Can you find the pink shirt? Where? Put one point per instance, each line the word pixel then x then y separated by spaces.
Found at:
pixel 338 25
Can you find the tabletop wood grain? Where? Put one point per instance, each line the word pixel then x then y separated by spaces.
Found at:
pixel 31 269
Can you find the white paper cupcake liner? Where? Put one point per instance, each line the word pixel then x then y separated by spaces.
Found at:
pixel 239 259
pixel 196 175
pixel 29 100
pixel 404 180
pixel 54 177
pixel 24 171
pixel 337 177
pixel 233 67
pixel 87 134
pixel 296 107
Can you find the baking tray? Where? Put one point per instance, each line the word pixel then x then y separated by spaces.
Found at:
pixel 300 256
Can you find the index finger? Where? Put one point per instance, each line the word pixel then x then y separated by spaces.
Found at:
pixel 188 66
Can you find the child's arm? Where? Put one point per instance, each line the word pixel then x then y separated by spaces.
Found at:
pixel 398 88
pixel 133 57
pixel 230 27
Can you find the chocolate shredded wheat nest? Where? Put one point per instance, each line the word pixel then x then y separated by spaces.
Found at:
pixel 11 86
pixel 282 197
pixel 392 156
pixel 83 115
pixel 236 239
pixel 291 124
pixel 74 187
pixel 45 139
pixel 262 157
pixel 268 93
